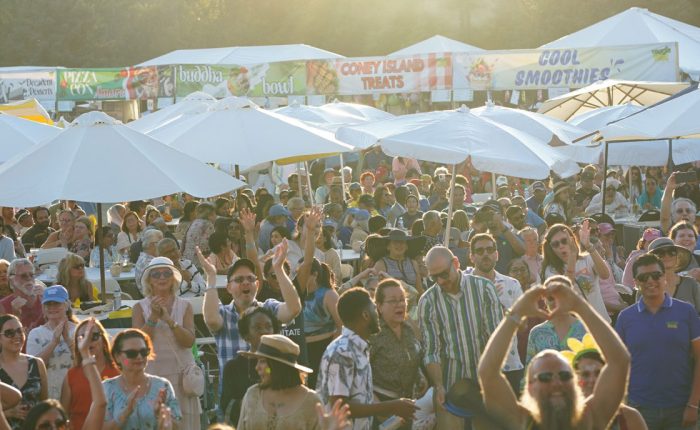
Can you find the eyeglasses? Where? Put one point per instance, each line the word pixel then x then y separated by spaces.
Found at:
pixel 165 274
pixel 643 277
pixel 547 377
pixel 95 336
pixel 487 250
pixel 29 275
pixel 79 266
pixel 394 302
pixel 241 279
pixel 684 211
pixel 518 270
pixel 672 252
pixel 445 274
pixel 10 333
pixel 59 424
pixel 557 243
pixel 133 353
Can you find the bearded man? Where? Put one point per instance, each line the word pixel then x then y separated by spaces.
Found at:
pixel 552 399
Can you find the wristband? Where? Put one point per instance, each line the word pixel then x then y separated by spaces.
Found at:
pixel 151 323
pixel 509 315
pixel 692 406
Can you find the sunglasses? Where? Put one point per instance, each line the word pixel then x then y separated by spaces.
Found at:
pixel 487 250
pixel 165 274
pixel 10 333
pixel 445 274
pixel 557 243
pixel 643 277
pixel 242 279
pixel 547 377
pixel 666 252
pixel 133 353
pixel 59 424
pixel 79 266
pixel 95 336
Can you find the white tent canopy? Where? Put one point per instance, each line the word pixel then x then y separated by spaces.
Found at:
pixel 84 163
pixel 241 55
pixel 435 44
pixel 194 103
pixel 19 134
pixel 638 26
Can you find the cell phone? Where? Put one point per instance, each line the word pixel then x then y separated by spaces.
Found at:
pixel 684 177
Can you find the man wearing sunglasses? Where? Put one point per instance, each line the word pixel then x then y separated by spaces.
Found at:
pixel 24 302
pixel 551 398
pixel 663 335
pixel 457 316
pixel 484 255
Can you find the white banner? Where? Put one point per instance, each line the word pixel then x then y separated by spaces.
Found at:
pixel 572 68
pixel 40 84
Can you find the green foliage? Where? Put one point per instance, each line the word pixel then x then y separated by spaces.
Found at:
pixel 104 33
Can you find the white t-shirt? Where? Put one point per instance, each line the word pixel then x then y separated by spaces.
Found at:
pixel 61 360
pixel 587 283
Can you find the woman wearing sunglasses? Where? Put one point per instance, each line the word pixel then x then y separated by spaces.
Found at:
pixel 675 259
pixel 562 256
pixel 21 371
pixel 169 321
pixel 76 393
pixel 50 415
pixel 52 341
pixel 135 399
pixel 71 274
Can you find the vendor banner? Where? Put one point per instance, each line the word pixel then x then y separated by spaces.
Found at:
pixel 260 80
pixel 571 68
pixel 349 76
pixel 22 85
pixel 126 83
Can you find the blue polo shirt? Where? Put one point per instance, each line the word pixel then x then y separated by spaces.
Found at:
pixel 661 350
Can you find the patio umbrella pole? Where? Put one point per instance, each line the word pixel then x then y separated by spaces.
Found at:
pixel 670 155
pixel 342 175
pixel 308 183
pixel 237 170
pixel 102 254
pixel 605 174
pixel 494 192
pixel 449 206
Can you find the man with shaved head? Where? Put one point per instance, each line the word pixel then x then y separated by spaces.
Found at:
pixel 552 399
pixel 457 316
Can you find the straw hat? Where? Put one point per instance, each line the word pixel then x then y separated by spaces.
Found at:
pixel 157 263
pixel 279 348
pixel 376 245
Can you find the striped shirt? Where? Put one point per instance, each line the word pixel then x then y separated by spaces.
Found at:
pixel 456 327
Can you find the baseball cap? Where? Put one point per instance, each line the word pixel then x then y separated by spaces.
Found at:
pixel 359 214
pixel 278 210
pixel 355 186
pixel 538 185
pixel 56 293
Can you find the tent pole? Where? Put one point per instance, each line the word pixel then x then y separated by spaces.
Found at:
pixel 494 192
pixel 449 206
pixel 103 288
pixel 342 175
pixel 605 174
pixel 237 171
pixel 301 188
pixel 670 155
pixel 308 183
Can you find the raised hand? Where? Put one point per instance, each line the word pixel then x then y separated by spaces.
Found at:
pixel 528 304
pixel 336 419
pixel 584 234
pixel 209 268
pixel 85 339
pixel 565 299
pixel 58 332
pixel 280 255
pixel 247 219
pixel 313 219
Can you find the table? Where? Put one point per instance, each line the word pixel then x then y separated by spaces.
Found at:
pixel 629 230
pixel 92 274
pixel 349 256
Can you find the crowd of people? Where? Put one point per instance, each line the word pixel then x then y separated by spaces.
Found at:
pixel 529 297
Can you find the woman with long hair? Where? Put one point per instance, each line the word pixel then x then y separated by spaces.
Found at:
pixel 52 341
pixel 136 399
pixel 169 321
pixel 222 255
pixel 317 283
pixel 77 392
pixel 633 193
pixel 562 256
pixel 71 274
pixel 396 254
pixel 115 218
pixel 280 400
pixel 23 372
pixel 327 244
pixel 188 214
pixel 381 196
pixel 105 240
pixel 151 215
pixel 650 197
pixel 5 289
pixel 83 237
pixel 198 233
pixel 263 207
pixel 131 232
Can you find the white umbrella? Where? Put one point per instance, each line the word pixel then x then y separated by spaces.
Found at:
pixel 543 127
pixel 316 115
pixel 450 137
pixel 677 117
pixel 609 93
pixel 18 134
pixel 197 102
pixel 97 159
pixel 363 111
pixel 237 131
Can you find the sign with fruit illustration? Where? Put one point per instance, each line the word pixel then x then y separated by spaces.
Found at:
pixel 380 74
pixel 126 83
pixel 570 68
